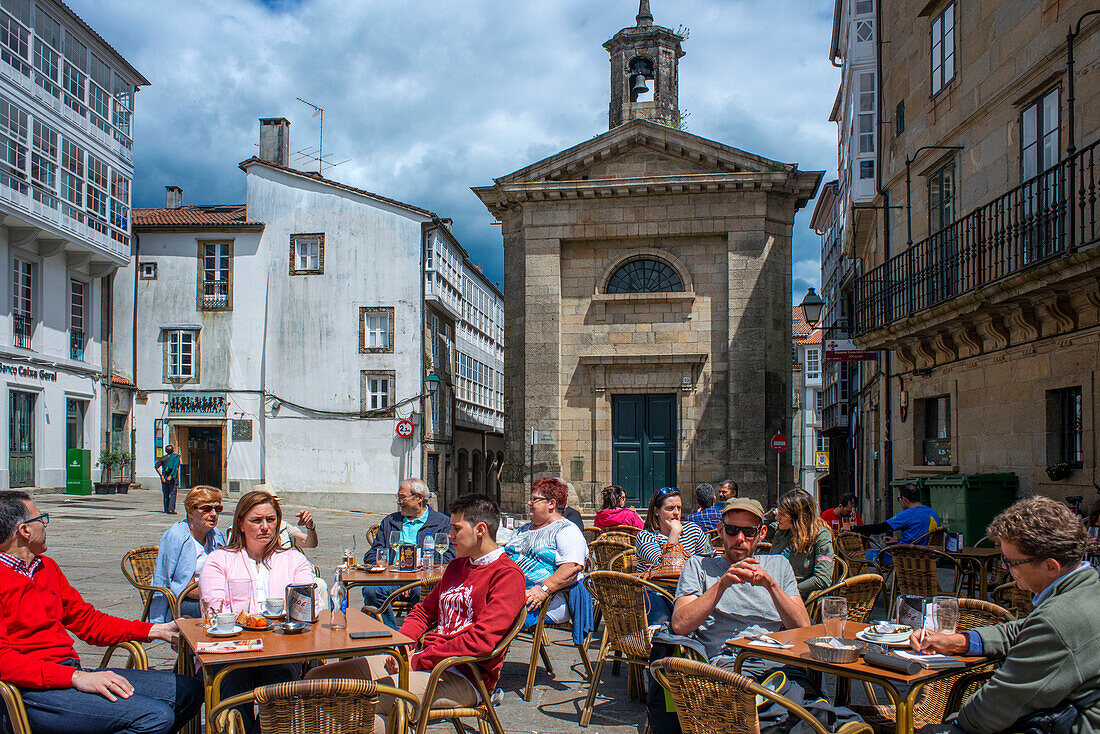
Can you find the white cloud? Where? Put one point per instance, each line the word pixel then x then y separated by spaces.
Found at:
pixel 428 98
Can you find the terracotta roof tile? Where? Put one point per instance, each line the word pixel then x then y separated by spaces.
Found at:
pixel 192 216
pixel 120 380
pixel 801 331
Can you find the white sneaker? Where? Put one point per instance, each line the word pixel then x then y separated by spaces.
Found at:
pixel 497 698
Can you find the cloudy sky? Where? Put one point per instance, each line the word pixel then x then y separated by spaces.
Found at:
pixel 430 97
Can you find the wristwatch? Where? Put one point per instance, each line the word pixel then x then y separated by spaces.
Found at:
pixel 545 588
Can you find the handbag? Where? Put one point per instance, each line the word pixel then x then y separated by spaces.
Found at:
pixel 1055 720
pixel 673 558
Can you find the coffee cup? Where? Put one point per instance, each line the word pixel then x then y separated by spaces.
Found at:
pixel 225 621
pixel 274 605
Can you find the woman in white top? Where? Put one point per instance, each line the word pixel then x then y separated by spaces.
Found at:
pixel 183 551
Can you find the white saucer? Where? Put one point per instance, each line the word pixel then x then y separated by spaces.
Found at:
pixel 895 640
pixel 237 629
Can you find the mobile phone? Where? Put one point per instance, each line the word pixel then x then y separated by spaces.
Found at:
pixel 369 634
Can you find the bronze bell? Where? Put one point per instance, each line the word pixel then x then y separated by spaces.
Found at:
pixel 639 87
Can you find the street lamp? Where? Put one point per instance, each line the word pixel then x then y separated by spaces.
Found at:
pixel 432 381
pixel 811 308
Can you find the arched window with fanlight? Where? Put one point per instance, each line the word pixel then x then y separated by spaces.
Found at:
pixel 645 275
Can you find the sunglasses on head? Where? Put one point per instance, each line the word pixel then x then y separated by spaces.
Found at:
pixel 667 491
pixel 749 531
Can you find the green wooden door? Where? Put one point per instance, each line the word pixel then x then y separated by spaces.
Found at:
pixel 21 439
pixel 643 444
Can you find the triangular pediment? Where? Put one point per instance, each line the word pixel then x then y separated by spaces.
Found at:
pixel 641 149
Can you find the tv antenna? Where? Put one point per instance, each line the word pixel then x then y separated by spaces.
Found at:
pixel 318 154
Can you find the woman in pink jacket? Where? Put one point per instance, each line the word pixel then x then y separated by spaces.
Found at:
pixel 615 511
pixel 245 572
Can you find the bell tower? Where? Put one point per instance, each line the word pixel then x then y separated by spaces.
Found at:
pixel 644 72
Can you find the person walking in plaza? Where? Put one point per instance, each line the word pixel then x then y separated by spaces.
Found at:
pixel 709 514
pixel 38 611
pixel 844 516
pixel 1049 660
pixel 413 521
pixel 615 511
pixel 183 550
pixel 801 536
pixel 168 467
pixel 467 613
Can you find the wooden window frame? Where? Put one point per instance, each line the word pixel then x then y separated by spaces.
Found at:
pixel 364 392
pixel 363 312
pixel 200 290
pixel 196 339
pixel 320 270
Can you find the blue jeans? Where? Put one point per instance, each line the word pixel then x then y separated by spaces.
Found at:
pixel 373 596
pixel 162 703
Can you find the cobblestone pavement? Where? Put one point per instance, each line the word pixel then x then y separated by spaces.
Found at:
pixel 89 535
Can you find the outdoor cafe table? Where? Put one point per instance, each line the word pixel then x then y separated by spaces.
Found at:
pixel 390 577
pixel 319 641
pixel 981 559
pixel 892 681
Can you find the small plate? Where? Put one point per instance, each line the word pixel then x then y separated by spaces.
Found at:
pixel 275 616
pixel 376 569
pixel 891 640
pixel 237 629
pixel 265 628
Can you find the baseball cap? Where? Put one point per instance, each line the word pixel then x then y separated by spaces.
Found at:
pixel 744 504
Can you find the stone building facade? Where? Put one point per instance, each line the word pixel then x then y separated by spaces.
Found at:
pixel 977 256
pixel 648 277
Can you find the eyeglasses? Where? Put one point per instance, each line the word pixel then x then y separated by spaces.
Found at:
pixel 749 531
pixel 204 509
pixel 44 517
pixel 1009 564
pixel 533 500
pixel 404 497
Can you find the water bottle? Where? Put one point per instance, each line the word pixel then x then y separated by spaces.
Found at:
pixel 339 596
pixel 429 551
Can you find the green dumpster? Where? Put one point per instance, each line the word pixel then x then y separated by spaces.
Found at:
pixel 78 471
pixel 967 503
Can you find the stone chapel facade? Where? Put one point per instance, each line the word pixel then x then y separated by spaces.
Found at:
pixel 647 298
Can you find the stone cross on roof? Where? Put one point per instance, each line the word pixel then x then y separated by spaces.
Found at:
pixel 644 18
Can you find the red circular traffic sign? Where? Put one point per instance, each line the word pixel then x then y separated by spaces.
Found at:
pixel 779 443
pixel 405 429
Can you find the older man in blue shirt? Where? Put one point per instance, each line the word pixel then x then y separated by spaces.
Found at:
pixel 415 521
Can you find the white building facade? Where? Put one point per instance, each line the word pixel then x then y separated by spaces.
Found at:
pixel 810 450
pixel 282 342
pixel 66 127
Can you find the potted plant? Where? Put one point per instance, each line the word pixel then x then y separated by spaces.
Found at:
pixel 107 461
pixel 122 462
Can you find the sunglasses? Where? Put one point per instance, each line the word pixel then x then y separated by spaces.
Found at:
pixel 749 531
pixel 1009 564
pixel 44 517
pixel 667 491
pixel 536 499
pixel 203 509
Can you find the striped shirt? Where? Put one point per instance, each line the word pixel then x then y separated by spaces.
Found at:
pixel 651 545
pixel 20 566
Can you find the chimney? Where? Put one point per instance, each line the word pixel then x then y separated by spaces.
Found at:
pixel 275 140
pixel 174 197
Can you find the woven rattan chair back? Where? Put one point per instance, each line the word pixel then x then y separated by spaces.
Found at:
pixel 712 700
pixel 840 569
pixel 915 570
pixel 852 547
pixel 619 537
pixel 1013 598
pixel 933 538
pixel 331 706
pixel 625 562
pixel 372 533
pixel 860 592
pixel 137 567
pixel 603 551
pixel 627 529
pixel 622 599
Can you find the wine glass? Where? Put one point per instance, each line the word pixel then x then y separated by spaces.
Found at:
pixel 945 614
pixel 349 550
pixel 442 543
pixel 834 613
pixel 395 541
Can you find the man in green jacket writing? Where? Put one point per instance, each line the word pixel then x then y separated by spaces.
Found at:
pixel 1052 656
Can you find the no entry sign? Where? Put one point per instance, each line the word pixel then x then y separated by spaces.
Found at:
pixel 779 443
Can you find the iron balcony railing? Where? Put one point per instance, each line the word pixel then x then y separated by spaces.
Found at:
pixel 1043 218
pixel 23 329
pixel 215 294
pixel 76 348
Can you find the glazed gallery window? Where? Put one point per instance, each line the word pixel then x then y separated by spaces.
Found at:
pixel 307 254
pixel 943 49
pixel 645 276
pixel 215 274
pixel 813 364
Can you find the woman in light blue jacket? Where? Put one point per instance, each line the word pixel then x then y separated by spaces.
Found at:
pixel 183 551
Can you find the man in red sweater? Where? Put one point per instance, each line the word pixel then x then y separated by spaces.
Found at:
pixel 468 612
pixel 38 609
pixel 844 516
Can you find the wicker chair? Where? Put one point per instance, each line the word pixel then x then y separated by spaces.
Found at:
pixel 13 699
pixel 860 591
pixel 1013 598
pixel 137 567
pixel 372 533
pixel 322 706
pixel 400 604
pixel 853 547
pixel 625 562
pixel 943 697
pixel 538 648
pixel 484 711
pixel 933 538
pixel 712 700
pixel 626 529
pixel 621 596
pixel 629 539
pixel 915 571
pixel 602 551
pixel 840 569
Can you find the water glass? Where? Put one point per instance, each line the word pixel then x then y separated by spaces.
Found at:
pixel 834 613
pixel 945 614
pixel 909 611
pixel 240 595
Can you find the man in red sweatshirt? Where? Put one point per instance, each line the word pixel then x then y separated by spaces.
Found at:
pixel 467 613
pixel 38 609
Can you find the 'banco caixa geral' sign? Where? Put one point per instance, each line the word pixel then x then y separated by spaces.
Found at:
pixel 204 404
